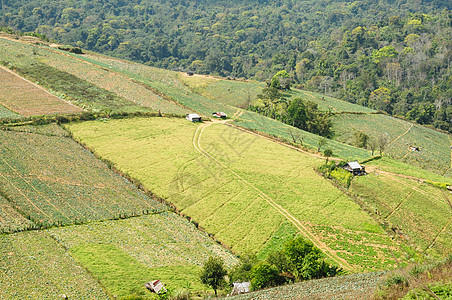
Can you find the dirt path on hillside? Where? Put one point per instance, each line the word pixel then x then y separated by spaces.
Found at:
pixel 302 228
pixel 400 135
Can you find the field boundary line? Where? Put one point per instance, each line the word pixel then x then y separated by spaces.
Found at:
pixel 303 229
pixel 437 236
pixel 400 204
pixel 40 87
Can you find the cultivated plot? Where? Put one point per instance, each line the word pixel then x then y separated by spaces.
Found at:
pixel 408 142
pixel 417 212
pixel 53 180
pixel 125 254
pixel 25 98
pixel 239 187
pixel 11 220
pixel 34 266
pixel 8 114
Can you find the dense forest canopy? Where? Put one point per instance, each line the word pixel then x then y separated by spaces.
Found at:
pixel 390 55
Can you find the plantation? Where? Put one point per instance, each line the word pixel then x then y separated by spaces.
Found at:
pixel 434 147
pixel 7 114
pixel 227 181
pixel 52 180
pixel 125 254
pixel 10 219
pixel 419 213
pixel 27 99
pixel 34 266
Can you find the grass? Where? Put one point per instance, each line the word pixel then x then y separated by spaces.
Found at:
pixel 434 154
pixel 52 180
pixel 29 100
pixel 34 266
pixel 221 203
pixel 123 255
pixel 418 211
pixel 8 114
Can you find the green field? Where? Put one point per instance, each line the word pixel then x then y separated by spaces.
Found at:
pixel 246 179
pixel 124 254
pixel 7 114
pixel 11 220
pixel 434 154
pixel 419 211
pixel 52 180
pixel 34 266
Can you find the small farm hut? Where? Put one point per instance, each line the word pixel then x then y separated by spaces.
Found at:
pixel 193 117
pixel 449 187
pixel 155 286
pixel 219 114
pixel 355 168
pixel 190 73
pixel 240 288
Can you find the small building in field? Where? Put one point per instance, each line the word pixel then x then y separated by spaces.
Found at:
pixel 193 117
pixel 449 187
pixel 219 114
pixel 190 73
pixel 155 286
pixel 355 168
pixel 240 288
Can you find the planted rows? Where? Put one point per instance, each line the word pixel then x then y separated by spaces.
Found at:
pixel 26 99
pixel 434 146
pixel 7 114
pixel 417 212
pixel 227 206
pixel 125 254
pixel 52 180
pixel 11 220
pixel 34 266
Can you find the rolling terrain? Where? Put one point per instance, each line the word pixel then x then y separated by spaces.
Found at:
pixel 243 181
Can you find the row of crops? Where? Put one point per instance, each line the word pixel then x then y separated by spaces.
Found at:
pixel 434 147
pixel 34 266
pixel 219 201
pixel 420 213
pixel 52 180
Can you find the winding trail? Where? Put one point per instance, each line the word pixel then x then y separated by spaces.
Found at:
pixel 302 228
pixel 400 135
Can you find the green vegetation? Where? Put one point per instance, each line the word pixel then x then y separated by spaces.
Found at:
pixel 213 274
pixel 417 212
pixel 7 114
pixel 433 152
pixel 11 220
pixel 33 265
pixel 227 184
pixel 52 180
pixel 383 55
pixel 125 254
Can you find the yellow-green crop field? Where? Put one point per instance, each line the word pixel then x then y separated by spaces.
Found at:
pixel 434 154
pixel 34 266
pixel 124 254
pixel 247 191
pixel 419 212
pixel 52 180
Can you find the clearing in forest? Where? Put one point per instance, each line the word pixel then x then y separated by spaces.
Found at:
pixel 251 193
pixel 27 99
pixel 52 180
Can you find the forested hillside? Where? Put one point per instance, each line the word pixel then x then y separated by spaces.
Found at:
pixel 388 55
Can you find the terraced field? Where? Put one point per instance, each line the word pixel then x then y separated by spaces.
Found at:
pixel 124 254
pixel 228 181
pixel 34 266
pixel 22 97
pixel 434 146
pixel 52 180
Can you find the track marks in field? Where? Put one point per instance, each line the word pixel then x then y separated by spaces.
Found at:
pixel 400 135
pixel 302 228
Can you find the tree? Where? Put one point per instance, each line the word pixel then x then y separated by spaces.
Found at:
pixel 328 153
pixel 281 80
pixel 265 275
pixel 361 139
pixel 373 145
pixel 383 141
pixel 213 273
pixel 297 113
pixel 322 142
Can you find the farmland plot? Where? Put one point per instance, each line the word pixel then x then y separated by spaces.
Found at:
pixel 34 266
pixel 239 187
pixel 124 254
pixel 419 210
pixel 8 114
pixel 434 146
pixel 27 99
pixel 11 220
pixel 52 180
